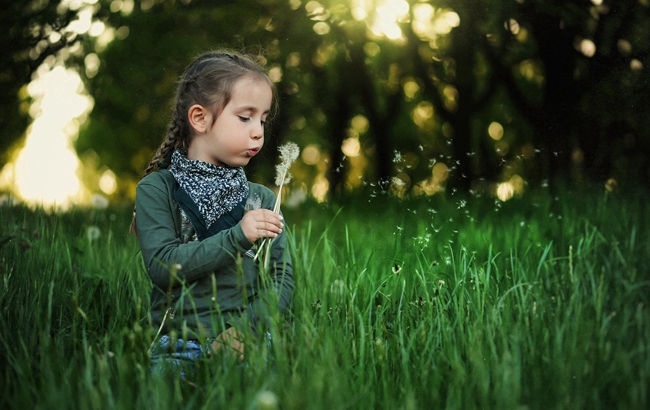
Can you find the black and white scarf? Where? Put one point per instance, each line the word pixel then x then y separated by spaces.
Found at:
pixel 215 190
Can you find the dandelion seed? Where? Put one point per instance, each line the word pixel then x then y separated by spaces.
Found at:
pixel 398 157
pixel 253 203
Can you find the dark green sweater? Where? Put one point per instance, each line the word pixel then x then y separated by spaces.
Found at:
pixel 211 284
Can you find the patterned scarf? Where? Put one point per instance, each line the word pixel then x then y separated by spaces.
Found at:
pixel 215 190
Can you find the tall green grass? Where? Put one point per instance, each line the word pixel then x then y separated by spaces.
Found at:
pixel 432 303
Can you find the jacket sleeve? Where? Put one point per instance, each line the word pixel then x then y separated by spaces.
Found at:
pixel 161 244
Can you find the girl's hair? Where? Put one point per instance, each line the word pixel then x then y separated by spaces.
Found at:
pixel 208 81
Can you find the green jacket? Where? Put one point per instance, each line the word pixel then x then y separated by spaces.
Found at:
pixel 212 284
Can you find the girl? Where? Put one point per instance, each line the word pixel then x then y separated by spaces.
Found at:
pixel 198 217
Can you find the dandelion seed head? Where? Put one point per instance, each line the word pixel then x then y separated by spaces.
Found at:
pixel 288 154
pixel 93 233
pixel 267 400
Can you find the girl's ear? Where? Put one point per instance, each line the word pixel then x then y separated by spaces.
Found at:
pixel 198 118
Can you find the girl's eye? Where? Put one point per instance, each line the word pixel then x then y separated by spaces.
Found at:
pixel 244 119
pixel 263 122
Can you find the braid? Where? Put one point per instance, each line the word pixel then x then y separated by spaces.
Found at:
pixel 166 148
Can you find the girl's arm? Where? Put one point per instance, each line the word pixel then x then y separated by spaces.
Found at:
pixel 161 245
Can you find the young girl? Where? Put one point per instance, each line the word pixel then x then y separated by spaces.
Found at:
pixel 197 217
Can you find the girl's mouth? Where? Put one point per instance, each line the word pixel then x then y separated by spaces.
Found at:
pixel 253 151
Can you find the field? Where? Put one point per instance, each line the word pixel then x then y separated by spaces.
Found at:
pixel 539 302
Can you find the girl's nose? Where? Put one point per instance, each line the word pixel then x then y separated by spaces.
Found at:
pixel 257 132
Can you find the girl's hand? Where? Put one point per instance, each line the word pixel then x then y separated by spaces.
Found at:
pixel 261 223
pixel 229 339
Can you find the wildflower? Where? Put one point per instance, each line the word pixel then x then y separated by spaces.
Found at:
pixel 93 233
pixel 99 201
pixel 288 154
pixel 267 400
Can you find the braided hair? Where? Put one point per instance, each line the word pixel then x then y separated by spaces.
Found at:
pixel 208 81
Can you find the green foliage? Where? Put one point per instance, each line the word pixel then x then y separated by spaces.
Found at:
pixel 446 303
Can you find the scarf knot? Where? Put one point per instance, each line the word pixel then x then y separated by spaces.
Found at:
pixel 215 190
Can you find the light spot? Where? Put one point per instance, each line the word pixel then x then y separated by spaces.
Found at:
pixel 275 74
pixel 371 49
pixel 496 131
pixel 107 182
pixel 360 123
pixel 411 88
pixel 636 65
pixel 321 28
pixel 320 188
pixel 351 147
pixel 505 191
pixel 587 47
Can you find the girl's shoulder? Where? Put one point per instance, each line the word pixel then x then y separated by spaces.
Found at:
pixel 159 178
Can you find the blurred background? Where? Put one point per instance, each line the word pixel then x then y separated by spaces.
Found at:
pixel 408 97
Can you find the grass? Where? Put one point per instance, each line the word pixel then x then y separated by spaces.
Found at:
pixel 437 303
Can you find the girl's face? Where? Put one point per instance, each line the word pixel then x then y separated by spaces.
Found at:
pixel 237 135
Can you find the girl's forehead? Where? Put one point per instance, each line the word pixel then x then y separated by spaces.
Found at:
pixel 248 89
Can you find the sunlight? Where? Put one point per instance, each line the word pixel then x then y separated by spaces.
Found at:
pixel 45 170
pixel 384 16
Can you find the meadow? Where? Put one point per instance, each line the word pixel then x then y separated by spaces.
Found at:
pixel 442 302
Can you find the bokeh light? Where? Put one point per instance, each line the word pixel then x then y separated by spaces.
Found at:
pixel 45 170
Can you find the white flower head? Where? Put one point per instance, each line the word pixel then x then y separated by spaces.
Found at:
pixel 288 154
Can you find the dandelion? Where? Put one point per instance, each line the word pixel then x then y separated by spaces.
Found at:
pixel 267 400
pixel 288 154
pixel 93 233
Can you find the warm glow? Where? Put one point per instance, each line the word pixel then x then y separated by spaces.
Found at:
pixel 108 182
pixel 411 88
pixel 587 47
pixel 383 16
pixel 423 114
pixel 275 74
pixel 351 147
pixel 45 170
pixel 310 155
pixel 360 124
pixel 514 186
pixel 496 131
pixel 320 188
pixel 505 191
